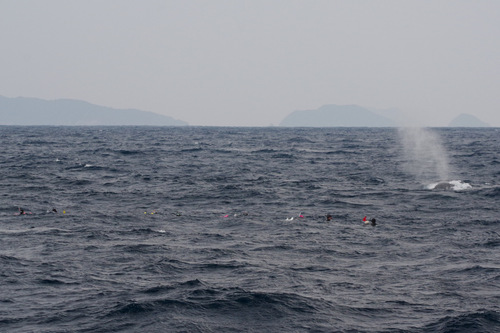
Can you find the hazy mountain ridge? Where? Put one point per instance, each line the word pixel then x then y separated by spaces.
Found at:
pixel 356 116
pixel 337 116
pixel 69 112
pixel 467 120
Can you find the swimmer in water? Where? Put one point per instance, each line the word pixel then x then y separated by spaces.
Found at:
pixel 373 222
pixel 329 217
pixel 23 212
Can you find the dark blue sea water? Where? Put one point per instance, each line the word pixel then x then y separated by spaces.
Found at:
pixel 190 230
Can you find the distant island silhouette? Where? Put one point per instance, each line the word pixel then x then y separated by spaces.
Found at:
pixel 337 116
pixel 356 116
pixel 467 120
pixel 70 112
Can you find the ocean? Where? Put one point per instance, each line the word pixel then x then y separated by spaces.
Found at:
pixel 212 229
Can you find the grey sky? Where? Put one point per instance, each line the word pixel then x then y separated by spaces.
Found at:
pixel 251 63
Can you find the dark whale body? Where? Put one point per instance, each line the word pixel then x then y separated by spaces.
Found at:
pixel 443 186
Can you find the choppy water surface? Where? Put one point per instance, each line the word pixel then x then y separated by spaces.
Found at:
pixel 191 230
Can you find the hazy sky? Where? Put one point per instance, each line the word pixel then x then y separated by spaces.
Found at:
pixel 251 63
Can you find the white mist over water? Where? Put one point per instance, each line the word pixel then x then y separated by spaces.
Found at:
pixel 425 155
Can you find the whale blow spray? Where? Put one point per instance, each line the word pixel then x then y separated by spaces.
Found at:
pixel 426 157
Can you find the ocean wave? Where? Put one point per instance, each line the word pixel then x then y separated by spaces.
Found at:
pixel 127 152
pixel 137 248
pixel 492 192
pixel 55 282
pixel 478 322
pixel 264 151
pixel 221 302
pixel 192 150
pixel 283 156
